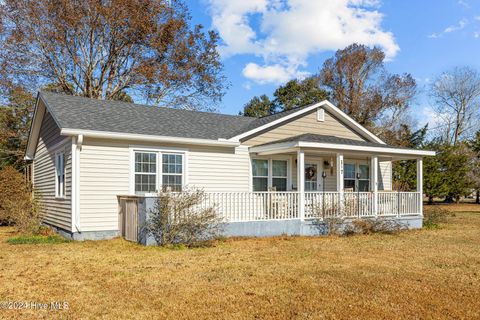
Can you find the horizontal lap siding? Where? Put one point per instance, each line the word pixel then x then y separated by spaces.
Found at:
pixel 306 124
pixel 104 170
pixel 55 211
pixel 104 174
pixel 385 178
pixel 219 169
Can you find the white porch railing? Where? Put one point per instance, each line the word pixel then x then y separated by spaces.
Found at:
pixel 258 206
pixel 254 206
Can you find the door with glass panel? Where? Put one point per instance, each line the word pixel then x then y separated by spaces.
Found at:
pixel 311 176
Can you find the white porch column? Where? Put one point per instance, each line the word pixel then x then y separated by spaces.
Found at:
pixel 301 183
pixel 420 183
pixel 374 183
pixel 339 165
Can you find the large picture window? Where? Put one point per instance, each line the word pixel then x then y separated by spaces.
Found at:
pixel 158 170
pixel 60 175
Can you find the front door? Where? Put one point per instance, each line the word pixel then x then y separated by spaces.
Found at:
pixel 311 176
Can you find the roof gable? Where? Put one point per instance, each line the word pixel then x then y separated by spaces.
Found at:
pixel 304 123
pixel 271 122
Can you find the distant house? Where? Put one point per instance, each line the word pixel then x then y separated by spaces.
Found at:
pixel 266 175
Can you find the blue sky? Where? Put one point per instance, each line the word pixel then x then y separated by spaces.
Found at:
pixel 267 42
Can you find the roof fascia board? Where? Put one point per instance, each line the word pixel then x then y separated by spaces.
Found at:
pixel 149 138
pixel 336 147
pixel 34 130
pixel 336 111
pixel 366 148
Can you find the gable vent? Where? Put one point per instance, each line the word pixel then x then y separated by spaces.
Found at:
pixel 320 114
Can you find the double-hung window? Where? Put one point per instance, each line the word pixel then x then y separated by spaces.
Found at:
pixel 349 176
pixel 269 174
pixel 60 175
pixel 260 174
pixel 279 175
pixel 364 180
pixel 145 172
pixel 172 172
pixel 158 170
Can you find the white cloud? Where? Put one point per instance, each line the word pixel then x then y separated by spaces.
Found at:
pixel 275 73
pixel 450 29
pixel 430 117
pixel 464 4
pixel 284 33
pixel 461 24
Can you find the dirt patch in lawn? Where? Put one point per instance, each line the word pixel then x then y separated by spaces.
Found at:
pixel 417 274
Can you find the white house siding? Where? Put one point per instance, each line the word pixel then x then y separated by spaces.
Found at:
pixel 56 211
pixel 104 174
pixel 385 178
pixel 219 169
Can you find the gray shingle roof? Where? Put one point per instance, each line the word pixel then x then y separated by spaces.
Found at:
pixel 309 137
pixel 115 116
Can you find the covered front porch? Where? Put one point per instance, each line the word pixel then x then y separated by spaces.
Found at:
pixel 309 178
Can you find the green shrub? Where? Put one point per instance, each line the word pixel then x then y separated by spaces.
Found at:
pixel 37 239
pixel 179 218
pixel 434 216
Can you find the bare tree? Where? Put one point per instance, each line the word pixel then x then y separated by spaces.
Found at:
pixel 359 84
pixel 456 97
pixel 103 49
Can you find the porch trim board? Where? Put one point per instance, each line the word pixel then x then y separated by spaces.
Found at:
pixel 292 145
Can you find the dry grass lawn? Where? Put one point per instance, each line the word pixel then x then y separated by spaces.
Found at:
pixel 418 274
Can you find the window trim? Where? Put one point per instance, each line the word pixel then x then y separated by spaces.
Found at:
pixel 146 173
pixel 357 164
pixel 368 176
pixel 159 151
pixel 60 188
pixel 279 177
pixel 270 171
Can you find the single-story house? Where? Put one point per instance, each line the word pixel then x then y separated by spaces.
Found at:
pixel 266 175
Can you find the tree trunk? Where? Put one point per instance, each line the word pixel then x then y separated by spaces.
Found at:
pixel 430 199
pixel 448 199
pixel 477 201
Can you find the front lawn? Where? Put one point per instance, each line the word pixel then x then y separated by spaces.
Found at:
pixel 417 274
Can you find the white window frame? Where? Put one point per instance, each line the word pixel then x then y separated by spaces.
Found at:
pixel 146 173
pixel 159 151
pixel 160 163
pixel 368 176
pixel 263 177
pixel 60 171
pixel 270 171
pixel 279 177
pixel 357 164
